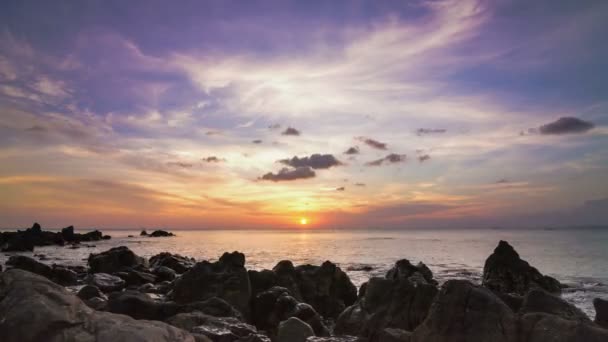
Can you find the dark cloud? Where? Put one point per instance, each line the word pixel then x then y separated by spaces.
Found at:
pixel 286 174
pixel 290 131
pixel 425 131
pixel 373 143
pixel 213 159
pixel 180 164
pixel 316 161
pixel 566 125
pixel 257 141
pixel 392 158
pixel 352 150
pixel 340 188
pixel 423 157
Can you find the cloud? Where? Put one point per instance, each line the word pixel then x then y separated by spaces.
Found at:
pixel 360 184
pixel 566 125
pixel 502 181
pixel 286 174
pixel 340 188
pixel 373 143
pixel 352 150
pixel 425 131
pixel 257 141
pixel 424 157
pixel 392 158
pixel 180 164
pixel 213 159
pixel 290 131
pixel 315 161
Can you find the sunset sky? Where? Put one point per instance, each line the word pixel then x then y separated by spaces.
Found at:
pixel 247 114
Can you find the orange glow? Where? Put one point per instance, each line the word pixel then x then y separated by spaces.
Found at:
pixel 303 221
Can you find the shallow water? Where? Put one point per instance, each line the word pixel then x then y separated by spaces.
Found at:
pixel 577 257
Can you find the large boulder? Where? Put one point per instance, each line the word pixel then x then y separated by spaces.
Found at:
pixel 105 282
pixel 161 233
pixel 542 327
pixel 401 300
pixel 227 279
pixel 504 271
pixel 59 274
pixel 114 260
pixel 176 262
pixel 541 301
pixel 601 312
pixel 35 309
pixel 294 330
pixel 466 312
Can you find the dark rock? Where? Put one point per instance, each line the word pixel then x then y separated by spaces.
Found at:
pixel 336 339
pixel 143 233
pixel 601 312
pixel 134 278
pixel 540 301
pixel 175 262
pixel 161 233
pixel 504 271
pixel 466 312
pixel 163 273
pixel 140 306
pixel 97 303
pixel 68 234
pixel 541 327
pixel 261 280
pixel 89 291
pixel 213 306
pixel 294 330
pixel 63 276
pixel 227 279
pixel 105 282
pixel 222 329
pixel 401 300
pixel 95 235
pixel 114 260
pixel 35 309
pixel 31 265
pixel 394 335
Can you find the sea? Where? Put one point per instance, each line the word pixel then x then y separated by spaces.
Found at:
pixel 576 257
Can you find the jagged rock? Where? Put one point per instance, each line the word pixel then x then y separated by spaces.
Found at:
pixel 227 279
pixel 401 300
pixel 161 233
pixel 542 327
pixel 175 262
pixel 68 234
pixel 466 312
pixel 540 301
pixel 504 271
pixel 35 309
pixel 89 291
pixel 105 282
pixel 601 312
pixel 222 329
pixel 276 304
pixel 294 330
pixel 114 260
pixel 163 273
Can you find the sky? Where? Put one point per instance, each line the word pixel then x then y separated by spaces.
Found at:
pixel 256 114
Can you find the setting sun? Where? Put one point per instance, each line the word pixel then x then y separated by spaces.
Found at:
pixel 303 221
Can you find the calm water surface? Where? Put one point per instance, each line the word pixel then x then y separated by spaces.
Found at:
pixel 577 257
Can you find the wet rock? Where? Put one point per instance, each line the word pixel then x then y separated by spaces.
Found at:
pixel 401 300
pixel 114 260
pixel 541 327
pixel 222 329
pixel 227 279
pixel 540 301
pixel 163 273
pixel 105 282
pixel 89 291
pixel 35 309
pixel 276 305
pixel 504 271
pixel 175 262
pixel 294 330
pixel 466 312
pixel 161 233
pixel 601 312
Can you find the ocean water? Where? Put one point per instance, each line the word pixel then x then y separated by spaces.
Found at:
pixel 576 257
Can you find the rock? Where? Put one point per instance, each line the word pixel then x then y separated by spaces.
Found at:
pixel 540 301
pixel 541 327
pixel 135 278
pixel 161 233
pixel 213 306
pixel 401 300
pixel 140 306
pixel 143 233
pixel 175 262
pixel 114 260
pixel 335 339
pixel 63 276
pixel 504 271
pixel 222 329
pixel 29 264
pixel 105 282
pixel 227 279
pixel 163 273
pixel 276 304
pixel 89 291
pixel 294 330
pixel 601 312
pixel 35 309
pixel 395 335
pixel 466 312
pixel 97 303
pixel 68 234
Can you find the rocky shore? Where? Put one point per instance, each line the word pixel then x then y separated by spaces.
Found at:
pixel 120 296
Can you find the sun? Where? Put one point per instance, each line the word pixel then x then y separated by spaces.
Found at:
pixel 303 221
